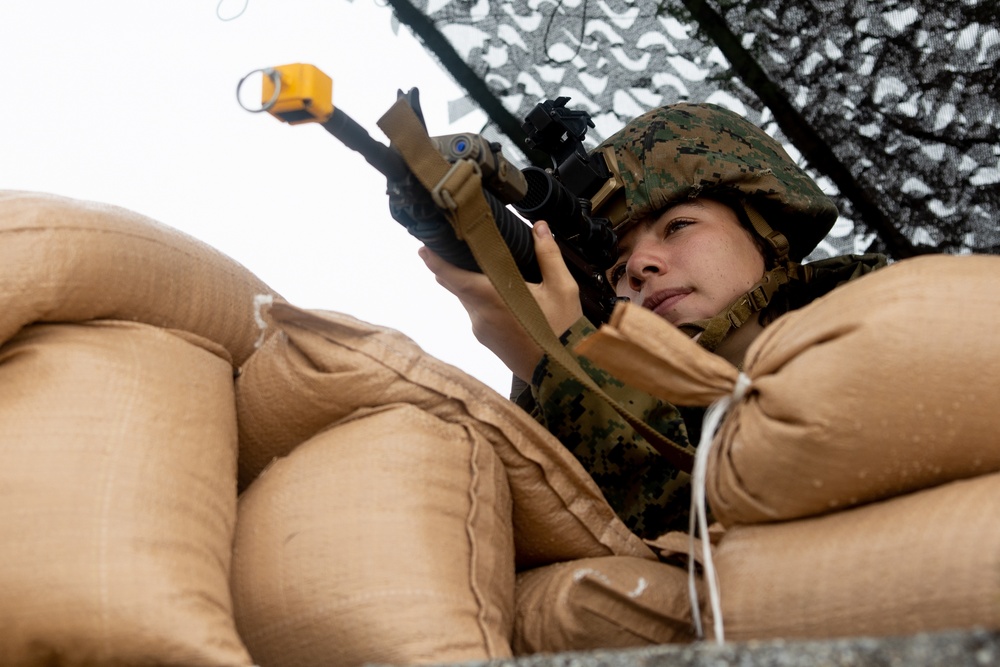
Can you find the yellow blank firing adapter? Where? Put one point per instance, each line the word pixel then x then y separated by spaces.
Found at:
pixel 297 93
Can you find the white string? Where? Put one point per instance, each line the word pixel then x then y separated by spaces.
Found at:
pixel 259 302
pixel 699 513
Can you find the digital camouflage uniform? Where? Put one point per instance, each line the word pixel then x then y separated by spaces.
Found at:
pixel 660 159
pixel 649 494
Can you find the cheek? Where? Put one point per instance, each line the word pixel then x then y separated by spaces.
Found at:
pixel 752 270
pixel 751 260
pixel 743 268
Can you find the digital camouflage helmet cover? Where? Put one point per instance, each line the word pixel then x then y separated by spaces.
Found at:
pixel 684 151
pixel 680 152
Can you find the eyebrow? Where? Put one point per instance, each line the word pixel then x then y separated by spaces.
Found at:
pixel 650 220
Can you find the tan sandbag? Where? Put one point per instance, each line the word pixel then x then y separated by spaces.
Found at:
pixel 65 260
pixel 883 387
pixel 923 562
pixel 384 539
pixel 117 498
pixel 593 603
pixel 325 366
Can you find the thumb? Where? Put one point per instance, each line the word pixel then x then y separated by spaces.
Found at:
pixel 550 259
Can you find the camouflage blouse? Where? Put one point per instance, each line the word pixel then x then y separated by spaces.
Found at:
pixel 649 494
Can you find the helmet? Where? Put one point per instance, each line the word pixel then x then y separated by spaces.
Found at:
pixel 683 151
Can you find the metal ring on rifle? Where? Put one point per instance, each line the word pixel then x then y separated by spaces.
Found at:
pixel 275 77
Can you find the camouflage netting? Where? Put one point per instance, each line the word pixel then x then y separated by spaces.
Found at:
pixel 891 104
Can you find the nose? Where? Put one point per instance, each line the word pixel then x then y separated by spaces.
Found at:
pixel 647 260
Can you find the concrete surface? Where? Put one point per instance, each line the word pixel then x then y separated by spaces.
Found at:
pixel 976 648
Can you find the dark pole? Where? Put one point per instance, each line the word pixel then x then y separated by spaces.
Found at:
pixel 466 77
pixel 816 151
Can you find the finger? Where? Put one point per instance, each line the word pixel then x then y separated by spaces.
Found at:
pixel 458 281
pixel 431 259
pixel 550 260
pixel 440 267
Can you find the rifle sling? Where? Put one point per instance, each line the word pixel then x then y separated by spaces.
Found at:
pixel 457 189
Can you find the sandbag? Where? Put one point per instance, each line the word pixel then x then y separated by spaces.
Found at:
pixel 594 603
pixel 325 366
pixel 923 562
pixel 117 497
pixel 384 539
pixel 66 260
pixel 882 387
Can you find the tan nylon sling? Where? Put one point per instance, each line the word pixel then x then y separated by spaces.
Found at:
pixel 457 189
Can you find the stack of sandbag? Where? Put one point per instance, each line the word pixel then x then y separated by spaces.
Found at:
pixel 856 475
pixel 397 511
pixel 118 437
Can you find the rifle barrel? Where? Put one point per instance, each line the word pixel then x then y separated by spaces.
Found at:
pixel 377 154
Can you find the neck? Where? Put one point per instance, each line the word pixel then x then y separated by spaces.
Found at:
pixel 735 345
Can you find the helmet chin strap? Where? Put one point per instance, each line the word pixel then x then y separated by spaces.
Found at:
pixel 716 329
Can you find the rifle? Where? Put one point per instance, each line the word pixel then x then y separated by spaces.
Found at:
pixel 560 195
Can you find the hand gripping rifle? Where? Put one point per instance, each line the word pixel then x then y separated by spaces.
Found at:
pixel 560 195
pixel 452 192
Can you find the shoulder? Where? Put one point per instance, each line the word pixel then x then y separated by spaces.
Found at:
pixel 825 275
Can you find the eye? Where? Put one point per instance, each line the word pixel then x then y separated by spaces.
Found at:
pixel 676 225
pixel 616 273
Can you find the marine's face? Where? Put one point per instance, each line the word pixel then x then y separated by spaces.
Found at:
pixel 688 264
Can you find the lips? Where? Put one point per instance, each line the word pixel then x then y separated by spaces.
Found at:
pixel 664 300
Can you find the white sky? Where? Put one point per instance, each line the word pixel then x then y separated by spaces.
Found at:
pixel 132 102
